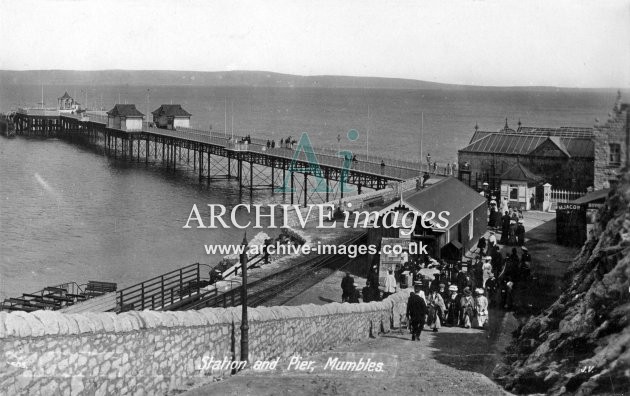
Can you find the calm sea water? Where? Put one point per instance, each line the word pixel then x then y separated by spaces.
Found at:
pixel 69 213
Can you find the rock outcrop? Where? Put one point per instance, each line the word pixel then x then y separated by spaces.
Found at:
pixel 581 343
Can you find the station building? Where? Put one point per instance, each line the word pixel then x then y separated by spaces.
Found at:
pixel 561 156
pixel 568 158
pixel 467 219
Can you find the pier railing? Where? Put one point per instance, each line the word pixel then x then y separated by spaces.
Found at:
pixel 164 290
pixel 394 168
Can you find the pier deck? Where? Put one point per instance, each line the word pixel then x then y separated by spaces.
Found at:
pixel 322 175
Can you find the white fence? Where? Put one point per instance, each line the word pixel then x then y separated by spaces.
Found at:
pixel 565 195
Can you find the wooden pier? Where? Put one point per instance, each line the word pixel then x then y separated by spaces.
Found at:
pixel 213 156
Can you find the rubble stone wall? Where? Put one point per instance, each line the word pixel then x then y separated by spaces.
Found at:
pixel 148 352
pixel 613 132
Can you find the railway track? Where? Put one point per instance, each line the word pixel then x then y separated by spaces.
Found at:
pixel 282 286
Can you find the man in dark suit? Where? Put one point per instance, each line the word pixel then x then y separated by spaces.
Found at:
pixel 347 287
pixel 416 312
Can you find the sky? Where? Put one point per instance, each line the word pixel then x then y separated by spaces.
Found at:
pixel 568 43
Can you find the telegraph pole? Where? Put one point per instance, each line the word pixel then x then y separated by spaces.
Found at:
pixel 244 325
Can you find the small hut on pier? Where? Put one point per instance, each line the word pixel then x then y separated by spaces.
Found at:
pixel 125 117
pixel 171 117
pixel 67 104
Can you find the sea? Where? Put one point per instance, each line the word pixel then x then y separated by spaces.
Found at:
pixel 69 213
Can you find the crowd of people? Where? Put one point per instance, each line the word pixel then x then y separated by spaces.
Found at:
pixel 446 294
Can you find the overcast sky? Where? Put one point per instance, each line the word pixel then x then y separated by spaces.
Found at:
pixel 572 43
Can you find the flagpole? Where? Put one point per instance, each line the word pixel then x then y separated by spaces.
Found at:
pixel 421 137
pixel 367 140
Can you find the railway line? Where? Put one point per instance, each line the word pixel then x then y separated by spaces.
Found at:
pixel 282 286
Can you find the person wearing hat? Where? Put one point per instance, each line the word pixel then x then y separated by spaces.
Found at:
pixel 486 268
pixel 505 228
pixel 367 293
pixel 481 308
pixel 443 292
pixel 374 283
pixel 526 264
pixel 481 245
pixel 354 294
pixel 390 284
pixel 452 307
pixel 492 217
pixel 347 286
pixel 416 312
pixel 520 233
pixel 491 287
pixel 492 242
pixel 436 302
pixel 467 304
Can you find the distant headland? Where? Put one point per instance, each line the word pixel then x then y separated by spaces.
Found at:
pixel 233 78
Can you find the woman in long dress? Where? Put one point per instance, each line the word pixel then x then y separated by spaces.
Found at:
pixel 437 302
pixel 481 308
pixel 452 306
pixel 467 304
pixel 487 269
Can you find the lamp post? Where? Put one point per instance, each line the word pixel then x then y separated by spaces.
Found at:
pixel 244 325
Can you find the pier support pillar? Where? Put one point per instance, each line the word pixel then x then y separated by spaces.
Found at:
pixel 305 189
pixel 208 166
pixel 291 188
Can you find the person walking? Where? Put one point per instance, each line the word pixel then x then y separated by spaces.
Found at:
pixel 437 303
pixel 481 245
pixel 481 309
pixel 416 312
pixel 425 177
pixel 368 293
pixel 520 233
pixel 452 307
pixel 390 284
pixel 347 285
pixel 354 294
pixel 526 264
pixel 467 304
pixel 491 287
pixel 486 267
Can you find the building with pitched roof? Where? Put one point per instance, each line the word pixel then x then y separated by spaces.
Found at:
pixel 455 218
pixel 171 117
pixel 66 104
pixel 518 186
pixel 125 117
pixel 561 156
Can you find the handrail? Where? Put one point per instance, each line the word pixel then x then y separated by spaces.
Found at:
pixel 162 290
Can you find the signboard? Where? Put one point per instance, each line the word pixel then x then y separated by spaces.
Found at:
pixel 571 224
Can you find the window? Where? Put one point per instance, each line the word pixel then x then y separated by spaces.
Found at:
pixel 514 192
pixel 615 154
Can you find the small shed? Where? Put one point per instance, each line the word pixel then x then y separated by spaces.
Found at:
pixel 125 117
pixel 171 117
pixel 575 219
pixel 518 185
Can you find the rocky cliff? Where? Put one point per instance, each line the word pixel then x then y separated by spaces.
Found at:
pixel 581 343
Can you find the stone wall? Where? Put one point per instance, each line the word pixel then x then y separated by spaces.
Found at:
pixel 148 352
pixel 612 132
